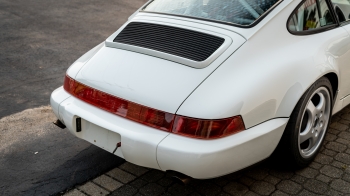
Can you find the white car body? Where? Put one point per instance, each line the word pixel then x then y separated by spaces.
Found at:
pixel 259 73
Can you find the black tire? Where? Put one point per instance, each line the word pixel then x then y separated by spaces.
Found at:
pixel 290 146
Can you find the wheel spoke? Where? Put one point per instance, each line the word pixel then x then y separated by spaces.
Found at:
pixel 307 134
pixel 322 104
pixel 313 138
pixel 311 109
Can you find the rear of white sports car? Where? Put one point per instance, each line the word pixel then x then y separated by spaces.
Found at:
pixel 140 96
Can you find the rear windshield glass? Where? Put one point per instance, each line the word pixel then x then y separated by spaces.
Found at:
pixel 241 12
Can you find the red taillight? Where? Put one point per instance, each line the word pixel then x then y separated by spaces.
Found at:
pixel 190 127
pixel 144 115
pixel 207 129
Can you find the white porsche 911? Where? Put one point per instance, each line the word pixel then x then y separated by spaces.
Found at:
pixel 209 87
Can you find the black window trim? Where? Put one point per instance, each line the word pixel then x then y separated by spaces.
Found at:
pixel 343 23
pixel 318 30
pixel 217 21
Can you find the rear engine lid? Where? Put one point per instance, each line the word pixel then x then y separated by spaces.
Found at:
pixel 172 42
pixel 188 43
pixel 150 80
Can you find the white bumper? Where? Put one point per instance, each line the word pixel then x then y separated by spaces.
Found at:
pixel 105 130
pixel 213 158
pixel 149 147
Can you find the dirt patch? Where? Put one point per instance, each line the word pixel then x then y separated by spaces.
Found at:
pixel 23 125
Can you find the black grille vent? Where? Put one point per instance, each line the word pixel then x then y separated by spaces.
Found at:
pixel 185 43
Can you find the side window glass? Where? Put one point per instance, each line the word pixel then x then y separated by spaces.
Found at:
pixel 342 9
pixel 312 14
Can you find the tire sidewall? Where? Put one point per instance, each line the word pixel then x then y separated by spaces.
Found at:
pixel 294 142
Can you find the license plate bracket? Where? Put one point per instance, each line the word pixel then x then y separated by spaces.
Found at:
pixel 100 136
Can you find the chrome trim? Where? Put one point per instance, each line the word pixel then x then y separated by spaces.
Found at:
pixel 344 97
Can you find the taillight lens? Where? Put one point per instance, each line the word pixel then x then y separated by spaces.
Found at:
pixel 190 127
pixel 144 115
pixel 207 129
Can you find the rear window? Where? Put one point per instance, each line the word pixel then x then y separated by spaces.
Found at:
pixel 241 12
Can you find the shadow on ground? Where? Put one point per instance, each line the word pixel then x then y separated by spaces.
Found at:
pixel 38 158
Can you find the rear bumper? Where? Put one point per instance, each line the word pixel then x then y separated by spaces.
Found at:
pixel 213 158
pixel 161 150
pixel 139 142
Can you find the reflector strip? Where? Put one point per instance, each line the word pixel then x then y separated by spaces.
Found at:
pixel 186 126
pixel 135 112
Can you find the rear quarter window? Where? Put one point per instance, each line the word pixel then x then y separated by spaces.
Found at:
pixel 311 15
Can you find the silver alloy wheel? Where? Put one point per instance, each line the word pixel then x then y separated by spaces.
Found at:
pixel 314 123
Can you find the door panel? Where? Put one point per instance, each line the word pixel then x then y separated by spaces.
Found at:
pixel 344 68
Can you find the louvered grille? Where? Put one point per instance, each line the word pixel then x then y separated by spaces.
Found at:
pixel 184 43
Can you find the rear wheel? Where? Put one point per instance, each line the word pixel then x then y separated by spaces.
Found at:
pixel 308 124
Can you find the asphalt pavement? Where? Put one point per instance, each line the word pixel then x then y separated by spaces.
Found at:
pixel 39 40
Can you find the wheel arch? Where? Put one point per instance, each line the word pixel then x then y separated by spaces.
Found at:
pixel 294 94
pixel 333 78
pixel 289 141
